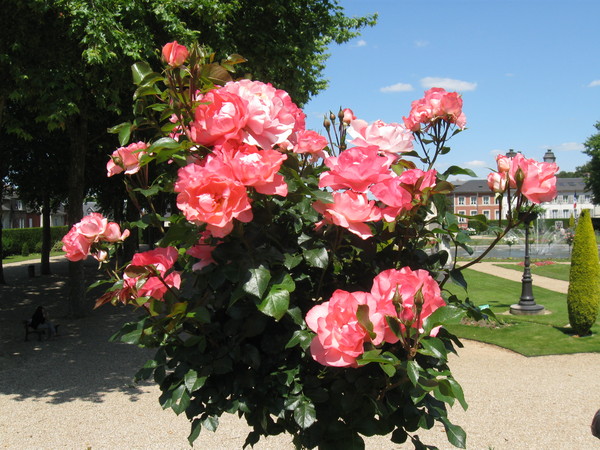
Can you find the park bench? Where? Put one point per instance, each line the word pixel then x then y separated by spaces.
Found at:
pixel 30 330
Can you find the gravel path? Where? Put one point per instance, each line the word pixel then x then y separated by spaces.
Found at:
pixel 75 392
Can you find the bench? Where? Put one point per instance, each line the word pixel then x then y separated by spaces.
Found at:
pixel 30 330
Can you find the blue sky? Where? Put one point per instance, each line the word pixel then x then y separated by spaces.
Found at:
pixel 528 71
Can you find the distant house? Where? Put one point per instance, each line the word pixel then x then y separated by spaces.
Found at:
pixel 474 197
pixel 15 214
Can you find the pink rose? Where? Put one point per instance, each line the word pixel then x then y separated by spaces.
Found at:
pixel 349 210
pixel 126 159
pixel 390 138
pixel 156 282
pixel 92 226
pixel 311 142
pixel 497 182
pixel 340 337
pixel 174 54
pixel 356 168
pixel 348 116
pixel 254 167
pixel 76 245
pixel 391 192
pixel 202 251
pixel 418 182
pixel 406 288
pixel 437 104
pixel 112 233
pixel 220 116
pixel 538 178
pixel 503 163
pixel 272 116
pixel 211 197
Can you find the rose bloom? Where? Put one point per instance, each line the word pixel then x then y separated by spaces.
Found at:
pixel 76 245
pixel 503 163
pixel 211 197
pixel 402 286
pixel 416 181
pixel 539 178
pixel 390 138
pixel 356 168
pixel 126 159
pixel 394 195
pixel 436 104
pixel 348 116
pixel 174 54
pixel 202 251
pixel 272 116
pixel 497 182
pixel 311 142
pixel 160 260
pixel 340 337
pixel 349 210
pixel 220 116
pixel 254 167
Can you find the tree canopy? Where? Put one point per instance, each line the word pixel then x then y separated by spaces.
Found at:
pixel 592 149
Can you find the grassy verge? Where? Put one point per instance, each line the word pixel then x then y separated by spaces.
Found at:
pixel 556 271
pixel 546 334
pixel 34 257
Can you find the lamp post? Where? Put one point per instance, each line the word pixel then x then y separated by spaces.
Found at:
pixel 527 304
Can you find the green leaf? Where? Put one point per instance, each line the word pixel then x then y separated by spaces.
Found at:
pixel 290 261
pixel 322 196
pixel 257 281
pixel 457 277
pixel 434 347
pixel 211 423
pixel 458 392
pixel 305 414
pixel 455 434
pixel 441 316
pixel 412 370
pixel 275 303
pixel 140 70
pixel 317 257
pixel 362 314
pixel 196 428
pixel 300 337
pixel 192 382
pixel 456 170
pixel 163 143
pixel 132 337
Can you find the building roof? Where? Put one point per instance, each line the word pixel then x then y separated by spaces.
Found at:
pixel 563 185
pixel 473 187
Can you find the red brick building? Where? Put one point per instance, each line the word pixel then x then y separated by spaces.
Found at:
pixel 474 197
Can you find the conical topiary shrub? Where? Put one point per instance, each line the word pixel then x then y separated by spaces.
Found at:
pixel 583 298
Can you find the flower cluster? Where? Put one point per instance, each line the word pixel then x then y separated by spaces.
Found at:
pixel 360 170
pixel 534 180
pixel 437 105
pixel 404 295
pixel 85 236
pixel 126 159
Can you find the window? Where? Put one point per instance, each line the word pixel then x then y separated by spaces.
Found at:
pixel 21 223
pixel 566 214
pixel 486 213
pixel 565 199
pixel 461 219
pixel 497 215
pixel 473 200
pixel 586 199
pixel 461 201
pixel 555 213
pixel 473 212
pixel 19 206
pixel 486 199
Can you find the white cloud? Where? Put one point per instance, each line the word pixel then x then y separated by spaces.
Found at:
pixel 361 43
pixel 448 83
pixel 421 43
pixel 594 83
pixel 568 147
pixel 477 163
pixel 398 87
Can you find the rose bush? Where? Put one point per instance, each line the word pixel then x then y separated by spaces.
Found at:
pixel 297 285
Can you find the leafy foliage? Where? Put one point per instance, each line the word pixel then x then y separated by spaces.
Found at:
pixel 583 298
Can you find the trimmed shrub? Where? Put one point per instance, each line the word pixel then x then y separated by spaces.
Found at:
pixel 14 238
pixel 583 298
pixel 25 249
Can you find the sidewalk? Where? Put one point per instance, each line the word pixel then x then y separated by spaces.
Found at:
pixel 491 268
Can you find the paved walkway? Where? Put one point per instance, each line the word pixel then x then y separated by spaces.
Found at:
pixel 76 391
pixel 492 268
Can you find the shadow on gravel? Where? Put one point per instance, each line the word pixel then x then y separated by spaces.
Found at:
pixel 80 363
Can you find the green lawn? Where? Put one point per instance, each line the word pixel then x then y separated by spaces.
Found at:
pixel 557 271
pixel 34 257
pixel 529 335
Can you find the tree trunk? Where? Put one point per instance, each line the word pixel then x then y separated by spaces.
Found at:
pixel 46 237
pixel 77 131
pixel 2 280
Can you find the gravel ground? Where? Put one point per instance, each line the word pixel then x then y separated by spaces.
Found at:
pixel 75 392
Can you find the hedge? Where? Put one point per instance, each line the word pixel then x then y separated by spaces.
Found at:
pixel 15 239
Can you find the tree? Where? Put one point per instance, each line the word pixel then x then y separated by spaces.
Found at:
pixel 65 61
pixel 592 149
pixel 579 172
pixel 583 297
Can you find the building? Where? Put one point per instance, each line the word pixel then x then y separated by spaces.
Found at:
pixel 472 198
pixel 15 214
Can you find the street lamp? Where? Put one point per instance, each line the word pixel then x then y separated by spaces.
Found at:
pixel 527 304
